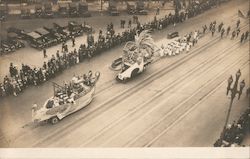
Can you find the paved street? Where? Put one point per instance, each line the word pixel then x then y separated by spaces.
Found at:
pixel 177 101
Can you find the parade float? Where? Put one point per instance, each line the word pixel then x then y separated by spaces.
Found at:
pixel 136 56
pixel 67 99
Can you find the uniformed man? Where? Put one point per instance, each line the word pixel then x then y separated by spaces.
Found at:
pixel 246 35
pixel 233 34
pixel 238 23
pixel 222 32
pixel 228 30
pixel 44 53
pixel 237 32
pixel 242 37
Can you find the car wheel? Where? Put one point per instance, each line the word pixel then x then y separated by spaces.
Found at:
pixel 134 72
pixel 54 120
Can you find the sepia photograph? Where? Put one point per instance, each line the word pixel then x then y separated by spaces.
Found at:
pixel 132 76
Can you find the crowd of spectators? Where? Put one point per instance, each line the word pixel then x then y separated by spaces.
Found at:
pixel 27 75
pixel 234 133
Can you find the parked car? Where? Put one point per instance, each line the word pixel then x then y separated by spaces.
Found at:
pixel 63 10
pixel 172 35
pixel 19 33
pixel 83 9
pixel 131 9
pixel 5 48
pixel 75 29
pixel 73 12
pixel 36 40
pixel 112 9
pixel 38 11
pixel 2 16
pixel 3 12
pixel 48 12
pixel 25 14
pixel 48 39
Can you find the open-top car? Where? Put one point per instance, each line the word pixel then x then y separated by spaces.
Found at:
pixel 67 99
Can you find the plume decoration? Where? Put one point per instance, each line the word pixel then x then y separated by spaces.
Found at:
pixel 143 46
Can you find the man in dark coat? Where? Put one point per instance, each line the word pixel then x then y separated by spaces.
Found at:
pixel 44 53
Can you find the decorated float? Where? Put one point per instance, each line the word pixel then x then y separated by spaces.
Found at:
pixel 67 99
pixel 136 56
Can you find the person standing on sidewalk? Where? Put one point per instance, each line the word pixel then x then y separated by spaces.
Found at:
pixel 44 53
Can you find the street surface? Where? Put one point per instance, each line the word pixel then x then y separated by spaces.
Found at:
pixel 177 101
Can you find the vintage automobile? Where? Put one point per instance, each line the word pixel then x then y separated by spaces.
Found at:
pixel 48 38
pixel 36 40
pixel 73 12
pixel 172 35
pixel 38 11
pixel 20 33
pixel 63 10
pixel 48 12
pixel 25 14
pixel 53 33
pixel 12 39
pixel 7 43
pixel 3 12
pixel 62 31
pixel 67 99
pixel 136 56
pixel 140 8
pixel 5 48
pixel 112 8
pixel 83 9
pixel 2 16
pixel 131 9
pixel 75 29
pixel 87 28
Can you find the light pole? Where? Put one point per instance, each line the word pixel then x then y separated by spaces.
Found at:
pixel 234 91
pixel 101 4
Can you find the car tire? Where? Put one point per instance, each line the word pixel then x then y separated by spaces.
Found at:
pixel 134 72
pixel 54 120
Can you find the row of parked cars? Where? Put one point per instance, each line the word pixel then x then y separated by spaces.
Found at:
pixel 64 10
pixel 46 10
pixel 45 37
pixel 137 9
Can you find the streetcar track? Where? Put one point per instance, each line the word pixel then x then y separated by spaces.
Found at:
pixel 182 116
pixel 179 110
pixel 144 104
pixel 163 91
pixel 111 83
pixel 121 96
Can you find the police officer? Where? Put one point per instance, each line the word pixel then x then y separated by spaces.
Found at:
pixel 246 35
pixel 233 34
pixel 242 37
pixel 222 32
pixel 44 53
pixel 228 30
pixel 238 23
pixel 237 32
